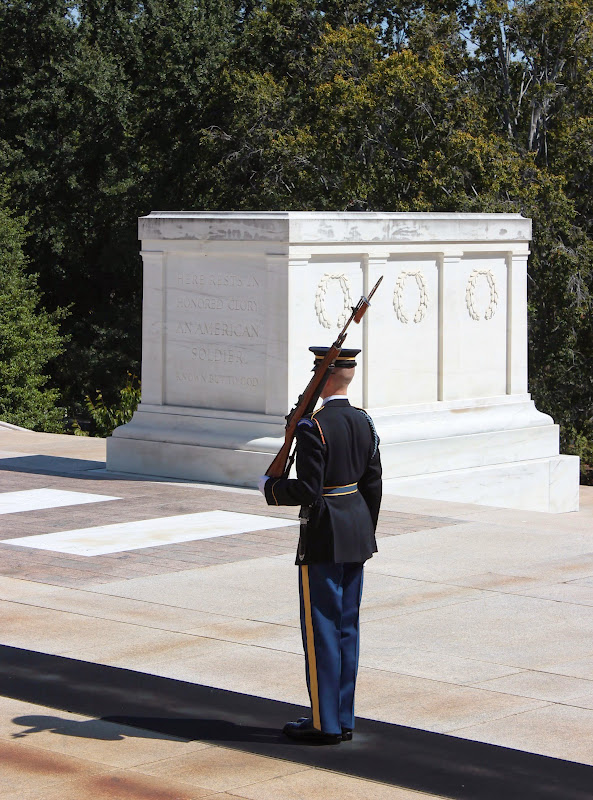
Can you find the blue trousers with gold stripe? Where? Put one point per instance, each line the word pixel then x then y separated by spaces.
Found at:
pixel 330 600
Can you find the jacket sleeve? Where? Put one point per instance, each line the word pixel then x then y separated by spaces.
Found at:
pixel 370 486
pixel 307 487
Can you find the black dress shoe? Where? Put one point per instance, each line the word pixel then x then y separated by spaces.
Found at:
pixel 346 734
pixel 303 731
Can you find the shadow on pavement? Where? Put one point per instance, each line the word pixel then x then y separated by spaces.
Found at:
pixel 101 730
pixel 406 757
pixel 80 468
pixel 51 465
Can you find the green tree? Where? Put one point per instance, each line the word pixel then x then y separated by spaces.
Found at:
pixel 29 338
pixel 104 419
pixel 100 122
pixel 111 108
pixel 534 60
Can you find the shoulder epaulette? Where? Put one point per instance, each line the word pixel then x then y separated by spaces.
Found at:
pixel 310 422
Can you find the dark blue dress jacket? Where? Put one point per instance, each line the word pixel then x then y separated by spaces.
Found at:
pixel 339 480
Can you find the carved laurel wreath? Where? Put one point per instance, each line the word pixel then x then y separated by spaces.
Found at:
pixel 470 294
pixel 398 293
pixel 320 309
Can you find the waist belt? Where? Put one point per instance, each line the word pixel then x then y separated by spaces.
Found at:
pixel 350 488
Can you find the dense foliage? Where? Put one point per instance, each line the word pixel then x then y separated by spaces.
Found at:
pixel 113 108
pixel 29 338
pixel 105 419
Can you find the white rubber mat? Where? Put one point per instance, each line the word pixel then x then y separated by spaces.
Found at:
pixel 37 499
pixel 124 536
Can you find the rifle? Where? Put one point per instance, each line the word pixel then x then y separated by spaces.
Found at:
pixel 280 466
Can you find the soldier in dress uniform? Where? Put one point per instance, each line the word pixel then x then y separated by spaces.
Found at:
pixel 338 487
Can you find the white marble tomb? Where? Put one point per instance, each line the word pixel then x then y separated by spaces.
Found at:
pixel 232 301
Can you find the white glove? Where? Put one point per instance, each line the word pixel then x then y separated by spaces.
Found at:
pixel 261 484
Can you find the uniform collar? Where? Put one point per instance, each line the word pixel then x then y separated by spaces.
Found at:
pixel 340 399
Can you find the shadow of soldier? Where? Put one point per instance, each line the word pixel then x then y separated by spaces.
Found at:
pixel 118 728
pixel 204 729
pixel 88 728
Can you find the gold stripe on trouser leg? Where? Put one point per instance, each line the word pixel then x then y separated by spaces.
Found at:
pixel 310 648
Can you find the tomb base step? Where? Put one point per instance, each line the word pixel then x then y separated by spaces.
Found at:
pixel 542 484
pixel 218 465
pixel 537 484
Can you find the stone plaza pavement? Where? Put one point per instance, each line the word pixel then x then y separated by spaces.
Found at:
pixel 477 624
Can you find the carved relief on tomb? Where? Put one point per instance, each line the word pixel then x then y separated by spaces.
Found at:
pixel 470 294
pixel 403 230
pixel 398 294
pixel 320 295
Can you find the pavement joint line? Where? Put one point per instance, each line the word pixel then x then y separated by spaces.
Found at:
pixel 411 612
pixel 573 705
pixel 397 615
pixel 450 683
pixel 134 600
pixel 536 597
pixel 464 658
pixel 275 649
pixel 544 704
pixel 82 573
pixel 488 590
pixel 39 749
pixel 560 674
pixel 370 780
pixel 151 627
pixel 309 769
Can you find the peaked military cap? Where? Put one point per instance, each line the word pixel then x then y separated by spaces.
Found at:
pixel 346 359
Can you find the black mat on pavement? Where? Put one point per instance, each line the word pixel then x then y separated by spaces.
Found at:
pixel 407 757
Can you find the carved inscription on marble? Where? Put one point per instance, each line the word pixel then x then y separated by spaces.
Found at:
pixel 219 380
pixel 205 280
pixel 205 303
pixel 218 355
pixel 398 295
pixel 215 339
pixel 210 314
pixel 320 299
pixel 199 328
pixel 470 294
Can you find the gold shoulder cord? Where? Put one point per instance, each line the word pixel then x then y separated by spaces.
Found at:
pixel 274 493
pixel 317 423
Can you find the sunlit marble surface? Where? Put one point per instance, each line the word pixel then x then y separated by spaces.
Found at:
pixel 233 300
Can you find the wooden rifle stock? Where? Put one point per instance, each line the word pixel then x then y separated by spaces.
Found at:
pixel 306 402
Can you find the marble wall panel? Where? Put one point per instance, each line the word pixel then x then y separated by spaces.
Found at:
pixel 403 331
pixel 474 327
pixel 215 330
pixel 322 292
